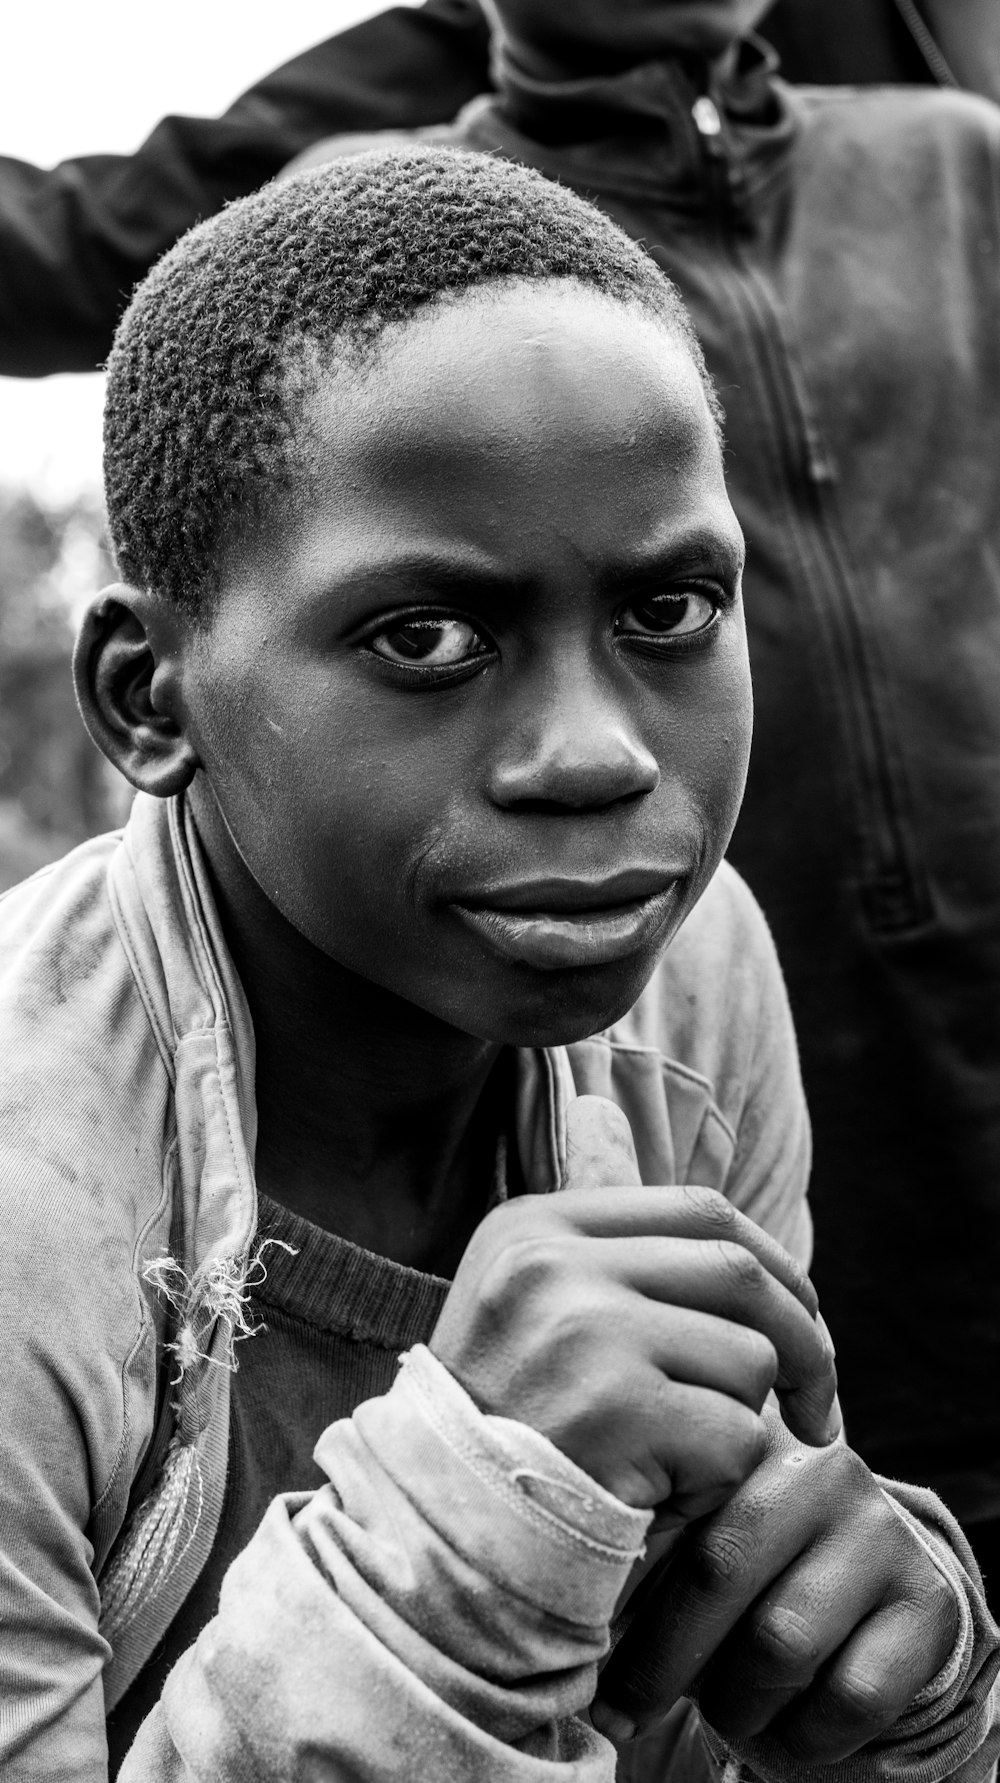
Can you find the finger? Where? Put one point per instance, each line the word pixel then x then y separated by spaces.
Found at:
pixel 665 1531
pixel 690 1447
pixel 706 1445
pixel 872 1680
pixel 701 1436
pixel 777 1648
pixel 728 1281
pixel 684 1212
pixel 600 1152
pixel 699 1349
pixel 706 1585
pixel 836 1421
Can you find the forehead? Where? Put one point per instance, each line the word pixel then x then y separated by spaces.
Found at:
pixel 513 355
pixel 523 418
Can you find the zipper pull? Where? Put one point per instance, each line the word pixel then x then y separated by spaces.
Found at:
pixel 720 174
pixel 705 113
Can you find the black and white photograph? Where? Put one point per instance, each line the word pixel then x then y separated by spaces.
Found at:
pixel 500 892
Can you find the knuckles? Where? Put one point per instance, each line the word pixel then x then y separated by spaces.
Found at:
pixel 940 1602
pixel 716 1215
pixel 723 1556
pixel 859 1701
pixel 785 1643
pixel 741 1269
pixel 938 1614
pixel 542 1285
pixel 528 1262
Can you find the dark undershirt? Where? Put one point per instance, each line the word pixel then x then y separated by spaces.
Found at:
pixel 334 1320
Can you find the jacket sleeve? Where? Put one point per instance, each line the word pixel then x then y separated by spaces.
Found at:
pixel 438 1610
pixel 75 239
pixel 63 1425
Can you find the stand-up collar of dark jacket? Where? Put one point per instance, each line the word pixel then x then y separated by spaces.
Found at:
pixel 653 129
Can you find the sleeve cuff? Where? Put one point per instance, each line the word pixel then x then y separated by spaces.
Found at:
pixel 502 1495
pixel 956 1667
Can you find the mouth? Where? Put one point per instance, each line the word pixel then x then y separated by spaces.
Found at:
pixel 555 925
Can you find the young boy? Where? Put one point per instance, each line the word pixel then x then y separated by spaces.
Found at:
pixel 430 672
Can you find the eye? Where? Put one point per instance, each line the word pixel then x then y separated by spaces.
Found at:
pixel 429 643
pixel 678 614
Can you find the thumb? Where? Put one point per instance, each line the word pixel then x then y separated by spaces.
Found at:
pixel 600 1153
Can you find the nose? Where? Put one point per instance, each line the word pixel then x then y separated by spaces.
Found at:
pixel 572 745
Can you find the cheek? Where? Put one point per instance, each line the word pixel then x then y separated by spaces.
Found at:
pixel 719 745
pixel 330 814
pixel 736 726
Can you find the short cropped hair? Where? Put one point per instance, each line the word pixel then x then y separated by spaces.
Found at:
pixel 205 378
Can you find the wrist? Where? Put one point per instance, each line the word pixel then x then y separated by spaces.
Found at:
pixel 562 1537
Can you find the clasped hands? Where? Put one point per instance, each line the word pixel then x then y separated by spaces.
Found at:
pixel 645 1332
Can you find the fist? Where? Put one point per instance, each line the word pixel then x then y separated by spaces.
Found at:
pixel 639 1329
pixel 806 1610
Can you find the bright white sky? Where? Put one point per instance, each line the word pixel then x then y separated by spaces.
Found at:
pixel 77 78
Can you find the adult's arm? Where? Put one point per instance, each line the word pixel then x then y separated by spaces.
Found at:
pixel 75 239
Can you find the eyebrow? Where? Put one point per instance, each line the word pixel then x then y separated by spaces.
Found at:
pixel 442 575
pixel 422 577
pixel 696 554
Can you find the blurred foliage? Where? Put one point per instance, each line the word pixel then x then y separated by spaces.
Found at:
pixel 55 788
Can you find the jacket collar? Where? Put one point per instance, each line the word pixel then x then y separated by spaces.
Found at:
pixel 169 927
pixel 671 129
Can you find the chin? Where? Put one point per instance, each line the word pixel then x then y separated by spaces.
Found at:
pixel 566 1007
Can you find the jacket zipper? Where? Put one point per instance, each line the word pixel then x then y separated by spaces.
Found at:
pixel 893 893
pixel 927 44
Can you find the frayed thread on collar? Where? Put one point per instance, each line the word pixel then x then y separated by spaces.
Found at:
pixel 220 1289
pixel 161 1529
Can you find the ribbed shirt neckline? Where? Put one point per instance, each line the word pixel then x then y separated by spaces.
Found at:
pixel 338 1286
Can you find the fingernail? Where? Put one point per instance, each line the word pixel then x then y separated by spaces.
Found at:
pixel 611 1722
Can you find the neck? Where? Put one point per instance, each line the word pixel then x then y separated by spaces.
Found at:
pixel 375 1119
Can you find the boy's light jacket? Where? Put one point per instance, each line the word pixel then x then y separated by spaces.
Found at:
pixel 439 1610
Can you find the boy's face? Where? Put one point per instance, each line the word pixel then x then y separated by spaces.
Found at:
pixel 478 712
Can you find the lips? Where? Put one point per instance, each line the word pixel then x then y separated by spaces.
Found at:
pixel 565 893
pixel 557 924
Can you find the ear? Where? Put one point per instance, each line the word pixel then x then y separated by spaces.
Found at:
pixel 126 667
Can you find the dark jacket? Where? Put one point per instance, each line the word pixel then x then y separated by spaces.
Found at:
pixel 840 254
pixel 75 239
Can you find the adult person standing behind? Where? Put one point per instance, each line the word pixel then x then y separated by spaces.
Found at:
pixel 76 238
pixel 955 43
